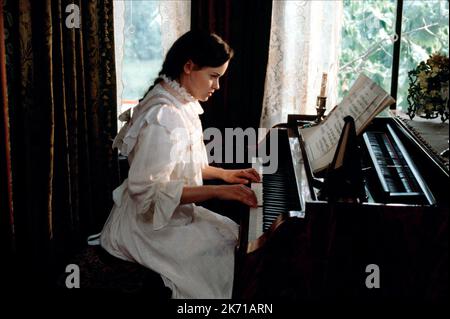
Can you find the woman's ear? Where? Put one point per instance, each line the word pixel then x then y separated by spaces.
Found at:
pixel 188 67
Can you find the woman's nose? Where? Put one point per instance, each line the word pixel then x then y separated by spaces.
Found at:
pixel 216 85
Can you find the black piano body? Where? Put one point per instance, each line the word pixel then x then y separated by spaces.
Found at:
pixel 329 251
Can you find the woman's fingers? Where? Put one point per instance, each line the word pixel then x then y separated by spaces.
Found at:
pixel 247 175
pixel 254 174
pixel 240 180
pixel 251 174
pixel 249 197
pixel 240 193
pixel 243 176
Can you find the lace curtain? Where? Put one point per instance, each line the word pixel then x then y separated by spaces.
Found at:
pixel 175 19
pixel 304 43
pixel 119 26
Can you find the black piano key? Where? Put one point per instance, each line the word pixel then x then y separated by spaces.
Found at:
pixel 279 190
pixel 392 163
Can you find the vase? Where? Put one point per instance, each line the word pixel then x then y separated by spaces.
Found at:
pixel 426 113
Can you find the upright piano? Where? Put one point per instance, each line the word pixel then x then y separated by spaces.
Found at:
pixel 391 243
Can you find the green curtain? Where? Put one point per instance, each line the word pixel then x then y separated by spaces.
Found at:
pixel 61 92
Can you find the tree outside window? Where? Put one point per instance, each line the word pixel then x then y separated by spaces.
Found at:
pixel 368 35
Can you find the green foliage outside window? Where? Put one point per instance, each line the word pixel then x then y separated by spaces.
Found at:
pixel 142 47
pixel 367 40
pixel 366 46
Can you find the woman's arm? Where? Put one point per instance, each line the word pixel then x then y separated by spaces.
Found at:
pixel 211 172
pixel 232 176
pixel 238 192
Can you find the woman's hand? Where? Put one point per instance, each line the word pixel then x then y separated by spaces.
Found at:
pixel 240 176
pixel 237 192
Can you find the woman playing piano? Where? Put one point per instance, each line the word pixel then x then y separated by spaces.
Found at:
pixel 154 220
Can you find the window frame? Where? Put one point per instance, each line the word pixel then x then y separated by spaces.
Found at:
pixel 396 53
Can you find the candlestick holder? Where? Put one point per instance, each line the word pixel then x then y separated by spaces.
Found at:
pixel 321 107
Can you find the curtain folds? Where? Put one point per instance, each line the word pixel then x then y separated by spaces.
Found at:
pixel 245 25
pixel 175 21
pixel 304 43
pixel 62 108
pixel 6 208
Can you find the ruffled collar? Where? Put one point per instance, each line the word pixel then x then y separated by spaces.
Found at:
pixel 183 94
pixel 181 91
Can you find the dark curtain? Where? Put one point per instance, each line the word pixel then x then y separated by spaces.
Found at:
pixel 245 25
pixel 6 212
pixel 62 116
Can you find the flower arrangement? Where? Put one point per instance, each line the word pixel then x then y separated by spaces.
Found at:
pixel 428 88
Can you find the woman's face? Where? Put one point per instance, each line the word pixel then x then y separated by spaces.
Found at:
pixel 201 83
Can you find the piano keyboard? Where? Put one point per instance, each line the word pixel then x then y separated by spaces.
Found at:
pixel 276 194
pixel 397 174
pixel 255 228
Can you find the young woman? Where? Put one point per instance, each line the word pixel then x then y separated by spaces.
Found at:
pixel 154 220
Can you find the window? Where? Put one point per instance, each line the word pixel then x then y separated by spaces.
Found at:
pixel 424 31
pixel 368 35
pixel 143 32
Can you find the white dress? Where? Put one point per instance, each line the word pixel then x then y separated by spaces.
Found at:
pixel 191 247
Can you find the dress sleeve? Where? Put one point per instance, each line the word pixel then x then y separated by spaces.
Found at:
pixel 156 153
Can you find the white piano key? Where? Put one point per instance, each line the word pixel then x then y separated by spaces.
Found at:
pixel 257 188
pixel 255 223
pixel 257 164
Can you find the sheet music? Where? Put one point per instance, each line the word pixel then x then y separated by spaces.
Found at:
pixel 364 101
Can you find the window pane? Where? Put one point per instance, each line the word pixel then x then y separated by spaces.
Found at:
pixel 142 48
pixel 143 32
pixel 424 31
pixel 368 31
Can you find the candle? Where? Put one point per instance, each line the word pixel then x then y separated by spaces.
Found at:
pixel 323 86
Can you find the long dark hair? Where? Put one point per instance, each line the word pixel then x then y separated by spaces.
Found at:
pixel 203 48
